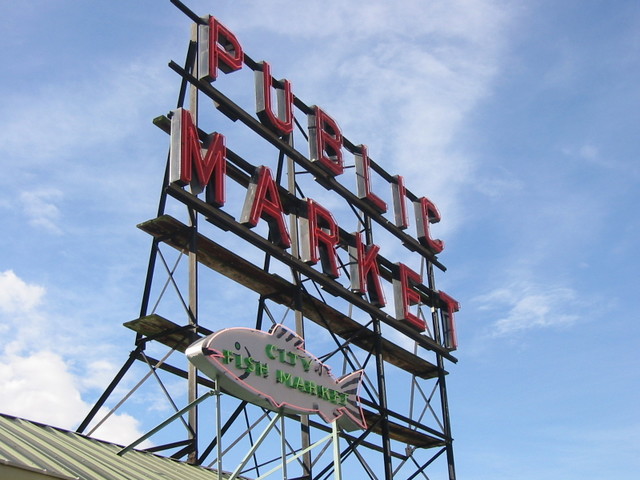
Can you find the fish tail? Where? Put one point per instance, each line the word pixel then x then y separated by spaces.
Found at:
pixel 350 385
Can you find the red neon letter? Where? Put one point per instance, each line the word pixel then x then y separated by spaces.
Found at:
pixel 320 238
pixel 448 320
pixel 262 200
pixel 364 181
pixel 283 122
pixel 426 213
pixel 365 274
pixel 218 49
pixel 405 296
pixel 325 142
pixel 399 204
pixel 186 152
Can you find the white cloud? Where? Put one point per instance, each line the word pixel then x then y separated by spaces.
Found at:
pixel 589 152
pixel 527 306
pixel 58 119
pixel 39 387
pixel 20 313
pixel 413 73
pixel 593 156
pixel 39 207
pixel 331 18
pixel 98 374
pixel 35 382
pixel 499 184
pixel 121 428
pixel 16 295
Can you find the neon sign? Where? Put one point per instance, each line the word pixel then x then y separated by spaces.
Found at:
pixel 274 371
pixel 200 161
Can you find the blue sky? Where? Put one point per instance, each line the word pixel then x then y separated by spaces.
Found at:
pixel 518 119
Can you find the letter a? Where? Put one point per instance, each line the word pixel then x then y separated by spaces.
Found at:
pixel 320 236
pixel 262 200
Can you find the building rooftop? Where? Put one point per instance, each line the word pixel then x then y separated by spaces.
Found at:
pixel 30 450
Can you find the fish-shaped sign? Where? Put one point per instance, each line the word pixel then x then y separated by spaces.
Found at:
pixel 272 369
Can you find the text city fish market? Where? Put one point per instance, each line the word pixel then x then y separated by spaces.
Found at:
pixel 249 365
pixel 193 164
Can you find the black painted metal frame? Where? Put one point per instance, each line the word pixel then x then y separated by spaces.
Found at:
pixel 240 170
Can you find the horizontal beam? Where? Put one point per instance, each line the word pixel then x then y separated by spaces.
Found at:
pixel 235 112
pixel 227 222
pixel 401 433
pixel 277 289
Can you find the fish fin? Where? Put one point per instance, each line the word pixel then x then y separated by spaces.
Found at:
pixel 280 331
pixel 354 416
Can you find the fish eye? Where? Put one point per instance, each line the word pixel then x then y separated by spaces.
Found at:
pixel 237 345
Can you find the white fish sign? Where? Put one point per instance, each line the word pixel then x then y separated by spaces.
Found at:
pixel 272 370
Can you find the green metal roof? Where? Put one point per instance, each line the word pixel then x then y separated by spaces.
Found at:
pixel 58 453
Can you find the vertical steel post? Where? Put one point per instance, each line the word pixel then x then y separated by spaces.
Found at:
pixel 295 251
pixel 337 465
pixel 192 379
pixel 283 448
pixel 219 429
pixel 382 384
pixel 444 402
pixel 382 392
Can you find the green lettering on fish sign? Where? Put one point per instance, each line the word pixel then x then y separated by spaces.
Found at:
pixel 341 398
pixel 333 397
pixel 228 356
pixel 310 387
pixel 298 383
pixel 248 364
pixel 289 358
pixel 324 393
pixel 263 370
pixel 284 377
pixel 306 362
pixel 268 350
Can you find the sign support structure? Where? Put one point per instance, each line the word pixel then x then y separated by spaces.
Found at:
pixel 193 283
pixel 259 224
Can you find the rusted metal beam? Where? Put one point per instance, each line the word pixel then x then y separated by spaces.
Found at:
pixel 279 290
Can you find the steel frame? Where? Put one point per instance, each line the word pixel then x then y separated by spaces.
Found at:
pixel 363 450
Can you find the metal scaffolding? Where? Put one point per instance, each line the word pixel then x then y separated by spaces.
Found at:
pixel 404 393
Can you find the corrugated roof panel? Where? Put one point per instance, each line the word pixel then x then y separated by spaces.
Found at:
pixel 67 454
pixel 84 458
pixel 19 447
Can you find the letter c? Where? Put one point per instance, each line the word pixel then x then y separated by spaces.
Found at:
pixel 269 351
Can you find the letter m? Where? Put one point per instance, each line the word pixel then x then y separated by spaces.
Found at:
pixel 194 163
